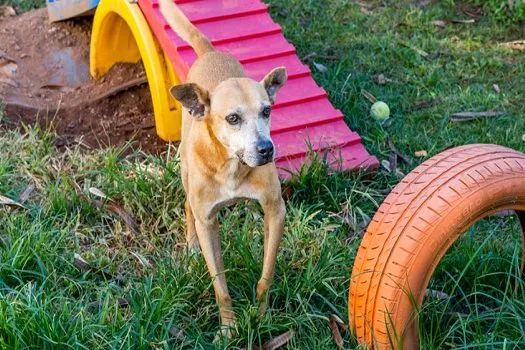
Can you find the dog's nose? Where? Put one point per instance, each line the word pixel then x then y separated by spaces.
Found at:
pixel 265 148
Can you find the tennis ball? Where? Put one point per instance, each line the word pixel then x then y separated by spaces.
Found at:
pixel 380 111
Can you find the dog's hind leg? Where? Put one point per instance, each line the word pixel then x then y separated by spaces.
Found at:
pixel 274 214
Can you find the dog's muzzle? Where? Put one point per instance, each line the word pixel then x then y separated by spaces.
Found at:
pixel 265 151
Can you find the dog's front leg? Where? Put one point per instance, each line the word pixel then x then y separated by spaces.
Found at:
pixel 191 234
pixel 208 234
pixel 274 215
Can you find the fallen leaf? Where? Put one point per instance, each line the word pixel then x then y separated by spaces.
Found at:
pixel 518 45
pixel 84 266
pixel 463 315
pixel 98 193
pixel 9 202
pixel 56 87
pixel 112 207
pixel 99 304
pixel 496 88
pixel 142 259
pixel 421 154
pixel 122 302
pixel 400 174
pixel 320 67
pixel 418 50
pixel 371 98
pixel 365 11
pixel 177 333
pixel 393 148
pixel 151 170
pixel 439 23
pixel 27 192
pixel 8 69
pixel 125 216
pixel 8 65
pixel 277 342
pixel 392 160
pixel 80 263
pixel 423 3
pixel 338 320
pixel 336 334
pixel 386 164
pixel 385 191
pixel 380 79
pixel 366 7
pixel 466 116
pixel 7 11
pixel 309 56
pixel 423 104
pixel 436 294
pixel 473 12
pixel 463 21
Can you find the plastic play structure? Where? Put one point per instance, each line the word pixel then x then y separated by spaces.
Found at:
pixel 417 222
pixel 303 119
pixel 415 226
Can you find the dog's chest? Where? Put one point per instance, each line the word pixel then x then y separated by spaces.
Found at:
pixel 228 196
pixel 233 184
pixel 233 191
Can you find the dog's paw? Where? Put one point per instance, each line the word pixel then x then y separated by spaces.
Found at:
pixel 194 249
pixel 262 302
pixel 261 312
pixel 226 332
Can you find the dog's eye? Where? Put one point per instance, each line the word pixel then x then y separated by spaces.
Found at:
pixel 233 119
pixel 266 111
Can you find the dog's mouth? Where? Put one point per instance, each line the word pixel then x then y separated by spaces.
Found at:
pixel 259 161
pixel 264 161
pixel 240 156
pixel 241 160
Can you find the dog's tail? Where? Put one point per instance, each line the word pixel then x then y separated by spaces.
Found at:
pixel 184 28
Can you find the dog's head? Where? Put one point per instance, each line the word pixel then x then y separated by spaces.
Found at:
pixel 238 112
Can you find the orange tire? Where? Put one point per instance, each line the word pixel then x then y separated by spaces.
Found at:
pixel 413 229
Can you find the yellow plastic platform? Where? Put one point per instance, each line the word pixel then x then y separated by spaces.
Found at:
pixel 121 34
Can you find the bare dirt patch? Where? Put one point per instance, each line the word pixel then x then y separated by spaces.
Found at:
pixel 44 78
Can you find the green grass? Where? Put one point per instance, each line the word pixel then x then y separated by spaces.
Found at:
pixel 47 302
pixel 24 5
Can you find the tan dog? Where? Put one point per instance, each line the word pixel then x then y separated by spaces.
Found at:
pixel 226 154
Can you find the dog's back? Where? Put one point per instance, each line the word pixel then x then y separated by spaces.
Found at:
pixel 214 67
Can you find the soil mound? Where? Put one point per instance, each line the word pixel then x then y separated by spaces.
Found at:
pixel 44 78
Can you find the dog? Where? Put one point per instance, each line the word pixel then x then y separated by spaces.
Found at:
pixel 226 155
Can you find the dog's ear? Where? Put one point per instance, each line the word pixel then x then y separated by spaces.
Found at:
pixel 195 99
pixel 273 81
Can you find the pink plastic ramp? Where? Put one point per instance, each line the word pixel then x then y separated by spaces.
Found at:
pixel 303 120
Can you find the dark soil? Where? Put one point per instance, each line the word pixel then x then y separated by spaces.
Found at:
pixel 44 78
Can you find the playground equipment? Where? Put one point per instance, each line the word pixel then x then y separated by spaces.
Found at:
pixel 416 225
pixel 303 120
pixel 63 9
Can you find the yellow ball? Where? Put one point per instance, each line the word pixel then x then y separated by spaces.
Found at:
pixel 380 111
